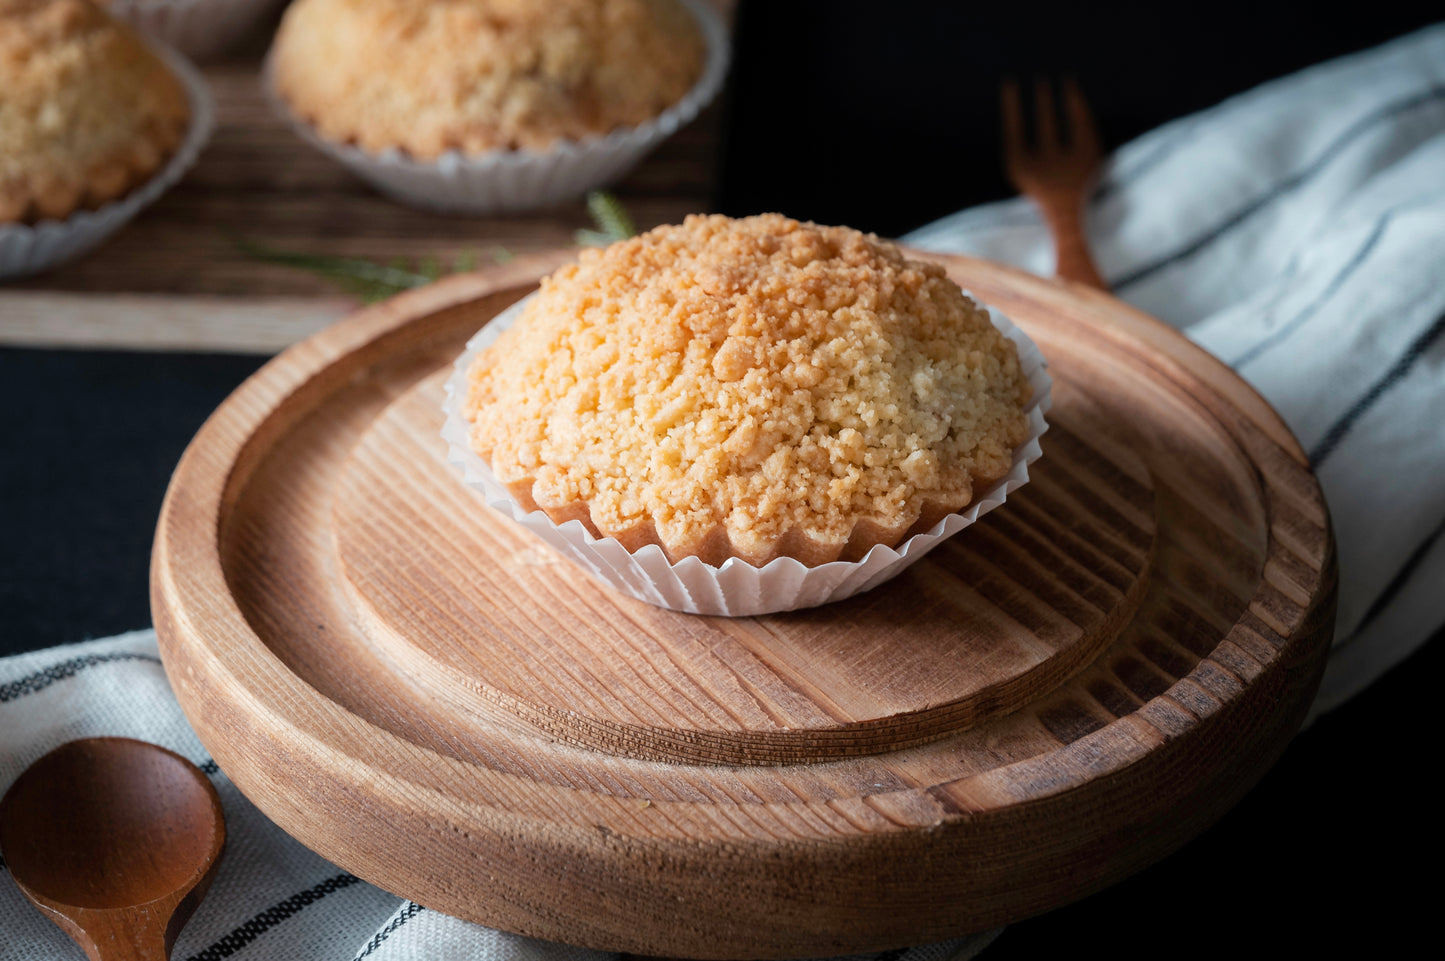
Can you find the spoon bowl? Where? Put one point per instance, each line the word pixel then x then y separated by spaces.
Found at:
pixel 116 841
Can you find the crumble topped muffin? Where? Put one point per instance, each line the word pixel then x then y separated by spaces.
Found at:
pixel 482 75
pixel 87 113
pixel 749 388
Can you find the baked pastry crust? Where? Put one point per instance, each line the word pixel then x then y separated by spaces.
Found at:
pixel 749 388
pixel 482 75
pixel 87 113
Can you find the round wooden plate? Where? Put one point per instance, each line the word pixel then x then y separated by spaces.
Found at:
pixel 1056 697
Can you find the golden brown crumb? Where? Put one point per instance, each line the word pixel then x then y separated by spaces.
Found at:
pixel 479 75
pixel 749 388
pixel 87 112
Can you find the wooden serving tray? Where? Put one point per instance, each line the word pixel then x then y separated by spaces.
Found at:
pixel 1057 697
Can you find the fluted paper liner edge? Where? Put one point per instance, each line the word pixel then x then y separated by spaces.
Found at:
pixel 200 29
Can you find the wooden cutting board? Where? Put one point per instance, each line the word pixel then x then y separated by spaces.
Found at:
pixel 1053 699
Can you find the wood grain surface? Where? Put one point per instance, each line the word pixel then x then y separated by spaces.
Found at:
pixel 1062 694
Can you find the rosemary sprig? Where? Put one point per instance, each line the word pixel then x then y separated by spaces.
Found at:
pixel 611 218
pixel 372 281
pixel 367 280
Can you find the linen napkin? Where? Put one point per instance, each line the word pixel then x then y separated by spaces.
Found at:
pixel 272 899
pixel 1298 232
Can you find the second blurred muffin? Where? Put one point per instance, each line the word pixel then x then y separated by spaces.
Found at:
pixel 477 75
pixel 475 79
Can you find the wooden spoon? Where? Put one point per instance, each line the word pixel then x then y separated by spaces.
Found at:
pixel 116 841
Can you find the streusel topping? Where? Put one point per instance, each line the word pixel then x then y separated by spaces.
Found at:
pixel 86 111
pixel 480 75
pixel 760 376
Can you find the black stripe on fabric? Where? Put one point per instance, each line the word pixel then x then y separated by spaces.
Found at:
pixel 1330 290
pixel 1290 269
pixel 411 910
pixel 272 916
pixel 1319 163
pixel 1401 367
pixel 1397 583
pixel 893 955
pixel 1151 160
pixel 42 679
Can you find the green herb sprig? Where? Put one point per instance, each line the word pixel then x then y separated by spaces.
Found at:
pixel 372 281
pixel 611 218
pixel 365 279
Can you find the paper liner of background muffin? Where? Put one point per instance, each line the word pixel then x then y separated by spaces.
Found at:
pixel 737 588
pixel 30 248
pixel 197 28
pixel 509 180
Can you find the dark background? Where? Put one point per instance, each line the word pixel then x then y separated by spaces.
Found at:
pixel 882 116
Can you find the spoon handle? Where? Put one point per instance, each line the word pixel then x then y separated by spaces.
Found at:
pixel 131 934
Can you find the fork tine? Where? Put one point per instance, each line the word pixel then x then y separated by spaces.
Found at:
pixel 1083 131
pixel 1046 128
pixel 1012 114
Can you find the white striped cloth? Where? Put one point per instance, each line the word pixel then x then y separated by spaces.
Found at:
pixel 272 899
pixel 1298 232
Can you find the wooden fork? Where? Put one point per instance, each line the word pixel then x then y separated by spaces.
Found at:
pixel 1055 172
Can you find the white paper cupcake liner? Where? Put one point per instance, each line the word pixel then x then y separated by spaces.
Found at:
pixel 197 28
pixel 510 180
pixel 737 588
pixel 30 248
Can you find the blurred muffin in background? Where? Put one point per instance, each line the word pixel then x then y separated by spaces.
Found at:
pixel 482 75
pixel 88 112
